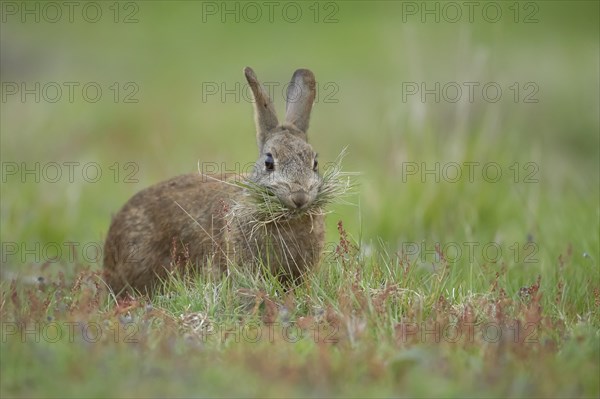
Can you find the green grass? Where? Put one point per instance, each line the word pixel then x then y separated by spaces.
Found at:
pixel 517 257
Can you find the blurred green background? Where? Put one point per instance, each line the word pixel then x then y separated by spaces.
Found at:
pixel 158 64
pixel 365 55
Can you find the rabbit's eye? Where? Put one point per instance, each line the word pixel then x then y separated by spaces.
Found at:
pixel 269 162
pixel 315 165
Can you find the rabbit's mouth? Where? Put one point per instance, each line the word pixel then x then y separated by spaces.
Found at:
pixel 297 201
pixel 264 205
pixel 291 204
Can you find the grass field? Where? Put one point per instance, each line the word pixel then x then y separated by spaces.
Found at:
pixel 466 265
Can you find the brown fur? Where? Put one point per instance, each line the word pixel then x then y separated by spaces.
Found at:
pixel 187 219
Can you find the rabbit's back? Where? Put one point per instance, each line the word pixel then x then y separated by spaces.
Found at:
pixel 170 224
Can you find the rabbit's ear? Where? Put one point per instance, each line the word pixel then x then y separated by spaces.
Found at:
pixel 300 97
pixel 264 111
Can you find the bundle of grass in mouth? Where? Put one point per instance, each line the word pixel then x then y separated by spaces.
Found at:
pixel 261 206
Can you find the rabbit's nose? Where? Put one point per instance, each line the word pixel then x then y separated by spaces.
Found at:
pixel 299 198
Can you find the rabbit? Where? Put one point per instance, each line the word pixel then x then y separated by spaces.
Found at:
pixel 190 217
